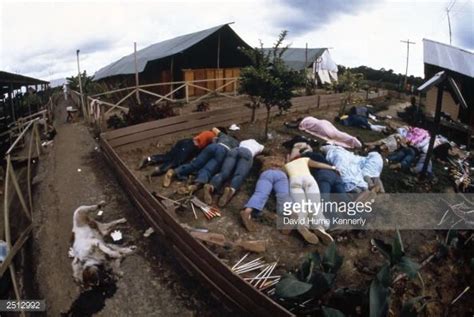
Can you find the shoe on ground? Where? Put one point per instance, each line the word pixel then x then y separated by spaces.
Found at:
pixel 307 235
pixel 226 197
pixel 247 221
pixel 168 178
pixel 325 237
pixel 208 190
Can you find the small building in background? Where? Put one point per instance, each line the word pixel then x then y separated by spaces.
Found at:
pixel 317 61
pixel 212 54
pixel 460 65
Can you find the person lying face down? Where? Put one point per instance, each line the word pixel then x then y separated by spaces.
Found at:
pixel 206 164
pixel 304 189
pixel 273 178
pixel 181 152
pixel 236 166
pixel 354 120
pixel 327 131
pixel 354 169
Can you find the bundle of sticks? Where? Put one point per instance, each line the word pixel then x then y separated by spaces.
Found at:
pixel 209 211
pixel 264 280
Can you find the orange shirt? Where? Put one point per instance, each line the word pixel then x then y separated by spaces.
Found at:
pixel 203 139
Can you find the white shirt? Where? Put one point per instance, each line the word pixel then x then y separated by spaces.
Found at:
pixel 253 146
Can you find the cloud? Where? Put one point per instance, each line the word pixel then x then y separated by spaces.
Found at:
pixel 463 26
pixel 303 16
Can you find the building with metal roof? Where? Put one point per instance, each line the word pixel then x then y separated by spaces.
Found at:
pixel 203 52
pixel 459 63
pixel 317 61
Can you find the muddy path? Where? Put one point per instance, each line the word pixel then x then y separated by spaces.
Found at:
pixel 73 172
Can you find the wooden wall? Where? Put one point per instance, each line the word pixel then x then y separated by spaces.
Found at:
pixel 210 73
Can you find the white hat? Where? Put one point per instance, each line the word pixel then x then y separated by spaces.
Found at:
pixel 234 127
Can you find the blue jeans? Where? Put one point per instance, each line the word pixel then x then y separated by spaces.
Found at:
pixel 405 156
pixel 330 182
pixel 272 179
pixel 237 164
pixel 179 154
pixel 206 164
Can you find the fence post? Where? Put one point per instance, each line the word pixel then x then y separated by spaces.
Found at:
pixel 186 90
pixel 235 87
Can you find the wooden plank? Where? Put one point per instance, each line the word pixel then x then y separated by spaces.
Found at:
pixel 16 247
pixel 211 120
pixel 168 121
pixel 211 74
pixel 189 76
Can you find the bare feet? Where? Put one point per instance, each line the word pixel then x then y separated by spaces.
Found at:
pixel 168 178
pixel 307 235
pixel 208 190
pixel 226 197
pixel 323 236
pixel 246 216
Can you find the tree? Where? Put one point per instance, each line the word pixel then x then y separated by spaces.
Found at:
pixel 88 85
pixel 269 81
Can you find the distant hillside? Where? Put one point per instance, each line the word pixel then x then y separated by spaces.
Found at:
pixel 382 77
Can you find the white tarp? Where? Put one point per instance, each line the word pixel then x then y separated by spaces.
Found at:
pixel 448 57
pixel 325 68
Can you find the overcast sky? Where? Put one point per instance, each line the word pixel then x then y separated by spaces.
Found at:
pixel 39 38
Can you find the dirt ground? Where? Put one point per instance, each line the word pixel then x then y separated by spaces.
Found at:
pixel 443 280
pixel 73 172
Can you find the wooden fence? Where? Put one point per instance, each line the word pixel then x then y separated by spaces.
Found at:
pixel 97 110
pixel 31 131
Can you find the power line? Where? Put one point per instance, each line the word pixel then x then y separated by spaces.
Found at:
pixel 408 56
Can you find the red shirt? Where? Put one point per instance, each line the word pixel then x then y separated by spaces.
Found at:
pixel 203 139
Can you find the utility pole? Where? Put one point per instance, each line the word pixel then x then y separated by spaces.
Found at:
pixel 137 83
pixel 80 84
pixel 449 24
pixel 408 56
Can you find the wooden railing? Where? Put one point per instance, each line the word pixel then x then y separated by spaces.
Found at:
pixel 30 130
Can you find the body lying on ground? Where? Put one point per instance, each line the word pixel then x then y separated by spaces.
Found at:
pixel 92 257
pixel 327 131
pixel 236 166
pixel 183 151
pixel 354 168
pixel 206 164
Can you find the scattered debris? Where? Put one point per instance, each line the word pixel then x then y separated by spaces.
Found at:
pixel 148 232
pixel 116 235
pixel 78 170
pixel 264 280
pixel 209 212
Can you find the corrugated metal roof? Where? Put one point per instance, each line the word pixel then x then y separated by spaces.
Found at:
pixel 294 57
pixel 126 65
pixel 17 79
pixel 448 57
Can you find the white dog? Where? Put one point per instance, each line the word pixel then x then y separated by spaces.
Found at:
pixel 90 253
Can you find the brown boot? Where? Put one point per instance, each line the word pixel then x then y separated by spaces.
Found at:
pixel 246 217
pixel 307 235
pixel 208 190
pixel 168 178
pixel 323 236
pixel 226 197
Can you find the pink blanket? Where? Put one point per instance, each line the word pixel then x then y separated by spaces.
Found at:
pixel 327 131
